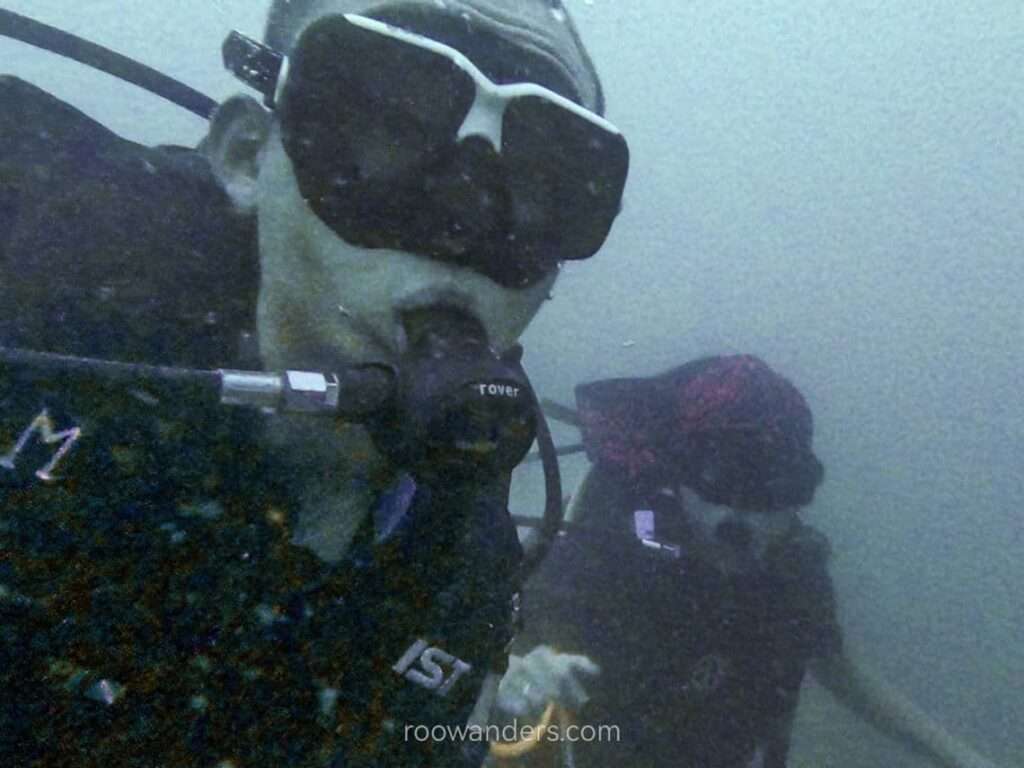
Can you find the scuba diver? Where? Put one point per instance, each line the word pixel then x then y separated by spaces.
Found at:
pixel 260 401
pixel 687 599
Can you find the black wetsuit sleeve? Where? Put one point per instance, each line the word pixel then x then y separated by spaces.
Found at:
pixel 9 175
pixel 559 600
pixel 112 249
pixel 550 599
pixel 811 596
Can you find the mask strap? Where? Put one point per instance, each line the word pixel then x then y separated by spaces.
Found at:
pixel 257 65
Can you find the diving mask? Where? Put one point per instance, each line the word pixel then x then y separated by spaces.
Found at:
pixel 400 142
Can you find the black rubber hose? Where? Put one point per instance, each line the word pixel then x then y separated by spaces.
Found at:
pixel 554 509
pixel 563 450
pixel 65 44
pixel 162 378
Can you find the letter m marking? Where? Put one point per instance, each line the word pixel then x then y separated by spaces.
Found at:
pixel 48 434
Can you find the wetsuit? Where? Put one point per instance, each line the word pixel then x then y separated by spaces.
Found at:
pixel 698 669
pixel 153 611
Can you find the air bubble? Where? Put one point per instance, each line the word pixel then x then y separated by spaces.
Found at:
pixel 105 691
pixel 328 701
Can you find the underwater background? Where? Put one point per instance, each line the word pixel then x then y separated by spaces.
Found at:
pixel 835 187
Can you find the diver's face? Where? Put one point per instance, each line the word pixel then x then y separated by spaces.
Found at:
pixel 325 297
pixel 730 540
pixel 322 298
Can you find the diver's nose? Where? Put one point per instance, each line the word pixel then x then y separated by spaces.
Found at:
pixel 471 191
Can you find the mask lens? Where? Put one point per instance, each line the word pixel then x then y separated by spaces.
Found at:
pixel 361 110
pixel 567 175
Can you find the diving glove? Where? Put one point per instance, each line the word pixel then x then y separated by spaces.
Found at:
pixel 543 676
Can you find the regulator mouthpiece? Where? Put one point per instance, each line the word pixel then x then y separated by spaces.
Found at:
pixel 460 406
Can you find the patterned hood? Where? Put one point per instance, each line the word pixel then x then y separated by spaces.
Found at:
pixel 542 29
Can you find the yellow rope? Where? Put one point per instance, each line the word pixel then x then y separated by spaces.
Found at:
pixel 509 750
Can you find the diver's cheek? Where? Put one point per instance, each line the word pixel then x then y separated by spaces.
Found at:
pixel 319 296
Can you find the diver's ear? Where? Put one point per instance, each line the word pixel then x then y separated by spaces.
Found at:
pixel 238 131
